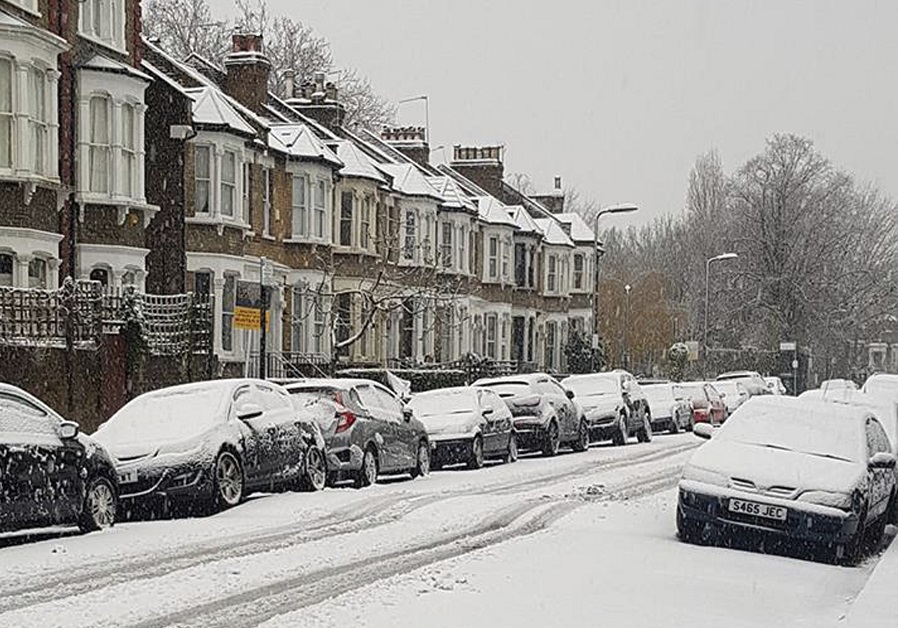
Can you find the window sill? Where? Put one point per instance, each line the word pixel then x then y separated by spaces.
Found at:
pixel 220 223
pixel 123 205
pixel 311 241
pixel 351 250
pixel 30 182
pixel 28 10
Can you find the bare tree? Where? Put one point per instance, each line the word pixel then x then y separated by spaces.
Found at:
pixel 186 26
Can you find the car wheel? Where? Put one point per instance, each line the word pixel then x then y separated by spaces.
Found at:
pixel 644 435
pixel 228 480
pixel 582 442
pixel 98 510
pixel 315 474
pixel 422 464
pixel 551 441
pixel 367 475
pixel 475 456
pixel 691 423
pixel 511 455
pixel 675 423
pixel 621 435
pixel 849 553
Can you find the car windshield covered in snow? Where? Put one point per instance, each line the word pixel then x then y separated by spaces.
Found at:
pixel 594 385
pixel 171 414
pixel 507 389
pixel 695 392
pixel 443 402
pixel 662 392
pixel 805 427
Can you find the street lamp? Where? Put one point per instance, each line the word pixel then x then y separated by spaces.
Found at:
pixel 622 208
pixel 426 112
pixel 719 258
pixel 627 330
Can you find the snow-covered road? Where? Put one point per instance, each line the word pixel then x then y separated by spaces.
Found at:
pixel 581 539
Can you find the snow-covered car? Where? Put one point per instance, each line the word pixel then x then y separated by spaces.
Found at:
pixel 752 381
pixel 545 414
pixel 885 409
pixel 882 384
pixel 707 405
pixel 370 431
pixel 834 385
pixel 775 385
pixel 209 444
pixel 466 424
pixel 805 470
pixel 670 409
pixel 50 473
pixel 614 405
pixel 733 392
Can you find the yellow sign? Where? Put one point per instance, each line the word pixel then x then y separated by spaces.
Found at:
pixel 249 318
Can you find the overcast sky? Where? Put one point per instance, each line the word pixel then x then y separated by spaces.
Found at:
pixel 620 97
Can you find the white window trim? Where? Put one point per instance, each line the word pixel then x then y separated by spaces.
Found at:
pixel 27 244
pixel 117 16
pixel 300 229
pixel 219 145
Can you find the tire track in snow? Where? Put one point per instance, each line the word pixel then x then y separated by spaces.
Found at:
pixel 354 517
pixel 257 605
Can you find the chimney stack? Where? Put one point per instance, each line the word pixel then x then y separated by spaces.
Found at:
pixel 411 141
pixel 554 200
pixel 289 83
pixel 318 100
pixel 247 71
pixel 482 165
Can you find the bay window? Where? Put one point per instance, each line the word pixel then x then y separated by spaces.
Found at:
pixel 228 183
pixel 203 176
pixel 300 216
pixel 104 21
pixel 100 144
pixel 7 116
pixel 37 273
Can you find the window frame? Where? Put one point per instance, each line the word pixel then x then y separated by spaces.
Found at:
pixel 97 147
pixel 493 257
pixel 227 189
pixel 207 148
pixel 345 219
pixel 8 116
pixel 579 274
pixel 410 235
pixel 320 211
pixel 114 10
pixel 447 228
pixel 300 205
pixel 552 273
pixel 228 305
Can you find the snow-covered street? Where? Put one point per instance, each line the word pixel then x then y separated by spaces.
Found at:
pixel 581 539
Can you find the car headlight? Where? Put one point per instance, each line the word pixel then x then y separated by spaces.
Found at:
pixel 705 476
pixel 842 501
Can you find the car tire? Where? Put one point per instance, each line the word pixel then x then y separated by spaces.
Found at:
pixel 367 474
pixel 229 480
pixel 622 434
pixel 511 454
pixel 314 476
pixel 475 454
pixel 852 550
pixel 644 435
pixel 99 508
pixel 422 460
pixel 691 424
pixel 582 442
pixel 551 440
pixel 674 424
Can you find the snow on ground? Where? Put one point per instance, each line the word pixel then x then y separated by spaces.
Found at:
pixel 580 539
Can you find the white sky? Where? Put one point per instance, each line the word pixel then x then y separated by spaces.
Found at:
pixel 620 97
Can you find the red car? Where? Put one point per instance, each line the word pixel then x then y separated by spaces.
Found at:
pixel 707 404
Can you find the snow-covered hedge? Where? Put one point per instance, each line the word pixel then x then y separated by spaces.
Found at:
pixel 421 379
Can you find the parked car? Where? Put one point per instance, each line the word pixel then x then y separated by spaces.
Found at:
pixel 466 424
pixel 832 385
pixel 210 443
pixel 733 392
pixel 882 384
pixel 370 431
pixel 804 470
pixel 669 406
pixel 775 385
pixel 546 416
pixel 52 474
pixel 707 406
pixel 614 405
pixel 752 381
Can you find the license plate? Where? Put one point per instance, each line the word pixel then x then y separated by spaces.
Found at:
pixel 127 477
pixel 767 511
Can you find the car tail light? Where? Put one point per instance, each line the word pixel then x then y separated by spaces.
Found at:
pixel 345 420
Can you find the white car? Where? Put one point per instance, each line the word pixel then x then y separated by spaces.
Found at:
pixel 775 385
pixel 882 384
pixel 805 470
pixel 733 392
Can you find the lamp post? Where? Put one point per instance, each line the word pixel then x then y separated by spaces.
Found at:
pixel 623 208
pixel 627 330
pixel 719 258
pixel 426 112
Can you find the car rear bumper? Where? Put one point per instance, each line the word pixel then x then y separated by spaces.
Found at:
pixel 709 505
pixel 530 433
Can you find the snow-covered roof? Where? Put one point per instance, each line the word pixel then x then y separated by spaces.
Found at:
pixel 211 107
pixel 408 180
pixel 553 232
pixel 102 63
pixel 524 220
pixel 579 230
pixel 453 196
pixel 493 212
pixel 298 141
pixel 356 163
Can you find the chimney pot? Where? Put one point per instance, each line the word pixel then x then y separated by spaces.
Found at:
pixel 558 184
pixel 289 83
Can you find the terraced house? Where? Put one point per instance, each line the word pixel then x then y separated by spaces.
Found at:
pixel 378 257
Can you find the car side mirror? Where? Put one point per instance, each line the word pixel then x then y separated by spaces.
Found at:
pixel 407 414
pixel 723 395
pixel 69 430
pixel 703 430
pixel 882 460
pixel 249 411
pixel 570 394
pixel 488 412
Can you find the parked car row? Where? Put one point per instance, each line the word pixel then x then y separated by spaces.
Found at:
pixel 818 469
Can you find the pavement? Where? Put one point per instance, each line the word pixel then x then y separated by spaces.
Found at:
pixel 877 604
